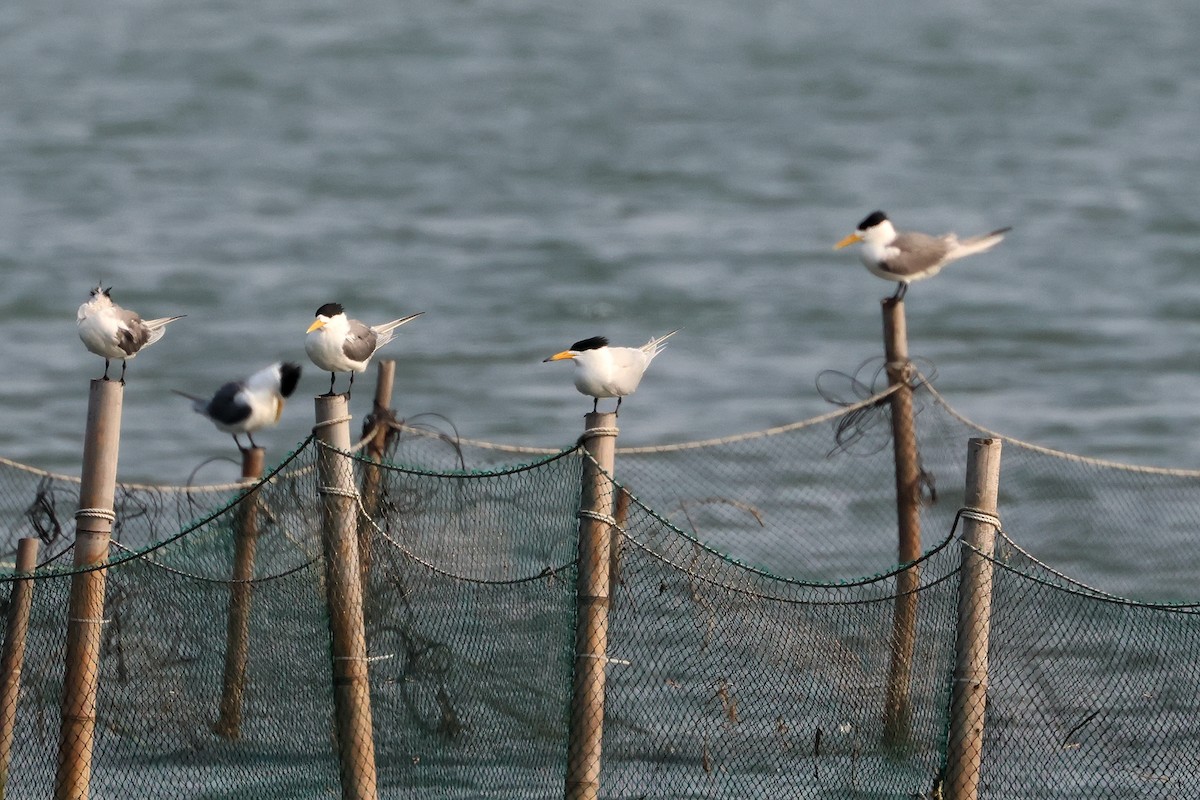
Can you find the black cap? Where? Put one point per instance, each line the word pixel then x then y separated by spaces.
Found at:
pixel 873 219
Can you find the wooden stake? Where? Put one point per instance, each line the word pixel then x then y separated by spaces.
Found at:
pixel 343 587
pixel 376 450
pixel 968 698
pixel 897 709
pixel 592 602
pixel 237 628
pixel 13 655
pixel 85 616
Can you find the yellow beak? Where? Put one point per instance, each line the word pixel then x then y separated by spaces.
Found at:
pixel 560 356
pixel 317 325
pixel 849 240
pixel 278 409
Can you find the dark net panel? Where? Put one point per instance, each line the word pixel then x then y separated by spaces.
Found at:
pixel 1125 530
pixel 469 611
pixel 814 503
pixel 42 505
pixel 1091 696
pixel 161 669
pixel 730 683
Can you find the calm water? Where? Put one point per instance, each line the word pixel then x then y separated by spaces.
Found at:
pixel 529 174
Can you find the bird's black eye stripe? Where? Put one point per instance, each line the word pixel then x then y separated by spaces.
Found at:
pixel 873 219
pixel 330 310
pixel 594 343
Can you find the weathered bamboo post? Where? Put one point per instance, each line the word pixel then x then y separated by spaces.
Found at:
pixel 20 600
pixel 968 695
pixel 343 589
pixel 591 603
pixel 620 517
pixel 85 617
pixel 376 450
pixel 237 628
pixel 908 513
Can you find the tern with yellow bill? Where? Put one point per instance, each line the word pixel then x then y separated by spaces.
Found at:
pixel 907 256
pixel 336 343
pixel 604 371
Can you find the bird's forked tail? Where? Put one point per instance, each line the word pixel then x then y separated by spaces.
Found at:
pixel 384 331
pixel 656 345
pixel 199 404
pixel 158 327
pixel 979 244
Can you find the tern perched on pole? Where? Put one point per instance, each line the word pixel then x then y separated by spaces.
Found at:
pixel 249 405
pixel 114 332
pixel 336 343
pixel 604 371
pixel 907 256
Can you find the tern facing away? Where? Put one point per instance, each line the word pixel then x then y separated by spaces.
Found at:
pixel 908 256
pixel 114 332
pixel 603 371
pixel 249 405
pixel 336 343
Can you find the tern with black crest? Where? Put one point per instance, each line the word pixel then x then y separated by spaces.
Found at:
pixel 907 256
pixel 605 371
pixel 250 405
pixel 336 343
pixel 114 332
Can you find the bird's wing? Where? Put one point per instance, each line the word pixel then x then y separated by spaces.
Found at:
pixel 360 342
pixel 628 359
pixel 132 333
pixel 228 406
pixel 916 252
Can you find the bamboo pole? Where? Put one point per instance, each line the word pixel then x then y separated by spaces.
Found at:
pixel 93 529
pixel 12 658
pixel 968 699
pixel 586 733
pixel 343 587
pixel 376 450
pixel 897 708
pixel 237 627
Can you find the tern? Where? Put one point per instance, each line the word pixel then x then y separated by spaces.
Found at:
pixel 114 332
pixel 249 405
pixel 907 256
pixel 604 371
pixel 336 343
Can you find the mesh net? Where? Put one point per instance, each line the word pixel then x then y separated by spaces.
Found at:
pixel 745 638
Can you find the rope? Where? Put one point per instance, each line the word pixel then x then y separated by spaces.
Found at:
pixel 605 518
pixel 1076 587
pixel 136 556
pixel 329 423
pixel 1049 451
pixel 99 513
pixel 979 515
pixel 669 448
pixel 745 437
pixel 337 490
pixel 590 432
pixel 174 488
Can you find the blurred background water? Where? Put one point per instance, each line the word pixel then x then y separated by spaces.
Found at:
pixel 529 174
